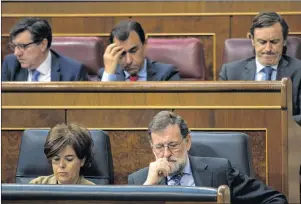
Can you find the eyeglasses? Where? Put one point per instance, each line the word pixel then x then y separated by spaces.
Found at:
pixel 20 46
pixel 172 146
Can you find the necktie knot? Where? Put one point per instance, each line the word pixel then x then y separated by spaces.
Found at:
pixel 134 78
pixel 35 75
pixel 268 72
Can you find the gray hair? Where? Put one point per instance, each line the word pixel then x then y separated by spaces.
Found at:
pixel 165 118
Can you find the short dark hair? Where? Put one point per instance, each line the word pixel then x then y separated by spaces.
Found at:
pixel 123 29
pixel 165 118
pixel 267 19
pixel 78 137
pixel 38 28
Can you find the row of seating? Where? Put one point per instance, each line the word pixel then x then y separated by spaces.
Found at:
pixel 187 54
pixel 231 145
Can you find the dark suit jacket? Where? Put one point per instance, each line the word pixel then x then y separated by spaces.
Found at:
pixel 213 172
pixel 62 69
pixel 155 72
pixel 288 67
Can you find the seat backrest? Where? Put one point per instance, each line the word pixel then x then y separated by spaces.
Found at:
pixel 241 48
pixel 33 163
pixel 186 54
pixel 87 50
pixel 233 146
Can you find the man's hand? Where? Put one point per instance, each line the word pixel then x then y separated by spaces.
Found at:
pixel 111 57
pixel 157 171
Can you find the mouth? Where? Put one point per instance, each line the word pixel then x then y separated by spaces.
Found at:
pixel 62 173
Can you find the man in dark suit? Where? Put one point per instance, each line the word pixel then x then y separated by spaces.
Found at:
pixel 269 34
pixel 124 58
pixel 33 60
pixel 170 141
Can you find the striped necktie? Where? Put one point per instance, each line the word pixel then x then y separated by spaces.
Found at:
pixel 176 179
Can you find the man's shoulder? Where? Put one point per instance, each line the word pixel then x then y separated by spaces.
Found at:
pixel 238 63
pixel 66 62
pixel 161 66
pixel 140 172
pixel 292 60
pixel 211 162
pixel 11 58
pixel 138 177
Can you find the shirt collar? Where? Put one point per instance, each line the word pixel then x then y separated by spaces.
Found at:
pixel 186 170
pixel 259 66
pixel 46 64
pixel 141 72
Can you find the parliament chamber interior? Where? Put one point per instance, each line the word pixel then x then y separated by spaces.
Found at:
pixel 250 123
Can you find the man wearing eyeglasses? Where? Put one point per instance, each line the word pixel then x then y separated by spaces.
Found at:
pixel 170 140
pixel 33 60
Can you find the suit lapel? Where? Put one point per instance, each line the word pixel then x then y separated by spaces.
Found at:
pixel 151 73
pixel 55 67
pixel 201 176
pixel 282 71
pixel 249 71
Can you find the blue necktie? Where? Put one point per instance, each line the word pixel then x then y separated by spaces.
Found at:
pixel 268 73
pixel 35 75
pixel 176 179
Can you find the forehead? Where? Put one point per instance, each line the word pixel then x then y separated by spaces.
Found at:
pixel 133 40
pixel 169 134
pixel 268 33
pixel 23 37
pixel 68 150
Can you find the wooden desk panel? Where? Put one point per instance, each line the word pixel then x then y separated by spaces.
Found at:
pixel 260 108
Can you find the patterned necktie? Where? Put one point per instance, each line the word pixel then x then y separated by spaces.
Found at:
pixel 176 179
pixel 133 78
pixel 35 75
pixel 268 73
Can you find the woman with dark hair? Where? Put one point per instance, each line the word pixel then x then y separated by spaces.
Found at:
pixel 68 148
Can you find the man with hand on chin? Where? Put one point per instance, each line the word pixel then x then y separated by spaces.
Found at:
pixel 170 140
pixel 124 58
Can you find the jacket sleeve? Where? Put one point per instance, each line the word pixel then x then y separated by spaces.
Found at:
pixel 249 190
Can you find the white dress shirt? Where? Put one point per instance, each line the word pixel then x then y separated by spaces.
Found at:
pixel 260 75
pixel 44 69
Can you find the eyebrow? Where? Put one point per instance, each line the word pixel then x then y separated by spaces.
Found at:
pixel 134 47
pixel 276 39
pixel 69 155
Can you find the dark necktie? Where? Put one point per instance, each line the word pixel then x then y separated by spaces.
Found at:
pixel 268 72
pixel 35 75
pixel 133 78
pixel 176 179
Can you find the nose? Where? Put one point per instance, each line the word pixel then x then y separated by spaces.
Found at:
pixel 17 51
pixel 167 152
pixel 268 46
pixel 62 163
pixel 128 58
